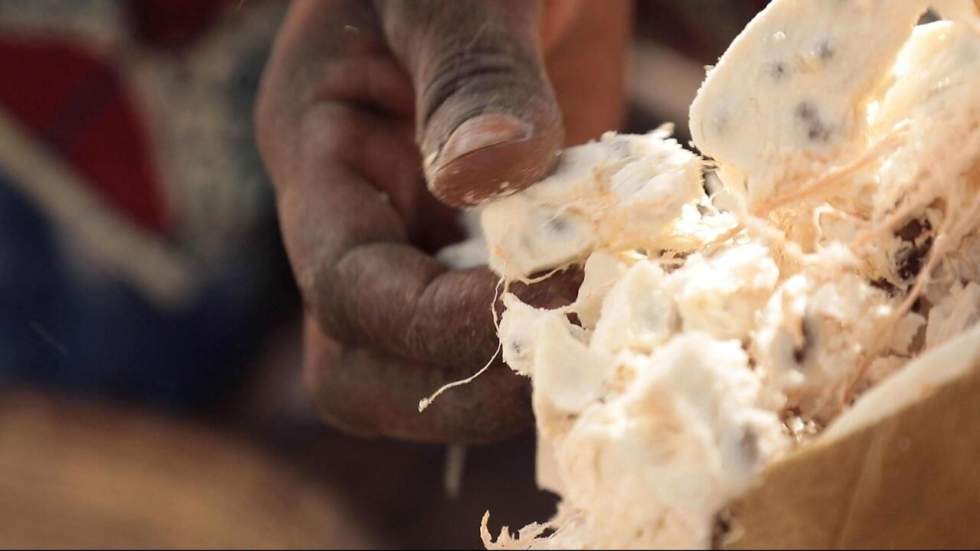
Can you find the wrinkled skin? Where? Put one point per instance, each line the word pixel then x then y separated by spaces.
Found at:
pixel 355 96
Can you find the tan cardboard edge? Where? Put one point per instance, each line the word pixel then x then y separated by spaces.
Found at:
pixel 900 469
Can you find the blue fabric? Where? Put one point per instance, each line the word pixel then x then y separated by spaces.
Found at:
pixel 99 336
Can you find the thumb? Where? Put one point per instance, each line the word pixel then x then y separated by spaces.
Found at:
pixel 487 122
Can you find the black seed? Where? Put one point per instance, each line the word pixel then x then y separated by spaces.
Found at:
pixel 557 224
pixel 800 352
pixel 815 129
pixel 884 285
pixel 677 255
pixel 824 51
pixel 806 111
pixel 909 260
pixel 778 70
pixel 748 445
pixel 720 531
pixel 818 132
pixel 913 229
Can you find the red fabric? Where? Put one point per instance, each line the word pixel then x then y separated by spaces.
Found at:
pixel 39 79
pixel 113 152
pixel 171 24
pixel 74 103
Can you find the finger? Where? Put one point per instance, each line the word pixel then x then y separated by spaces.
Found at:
pixel 487 122
pixel 346 195
pixel 331 52
pixel 587 64
pixel 368 393
pixel 356 270
pixel 447 317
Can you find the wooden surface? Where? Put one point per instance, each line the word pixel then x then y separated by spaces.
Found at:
pixel 81 475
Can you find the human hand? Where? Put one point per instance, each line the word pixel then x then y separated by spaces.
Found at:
pixel 359 101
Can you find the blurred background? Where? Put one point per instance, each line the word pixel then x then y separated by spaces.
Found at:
pixel 149 328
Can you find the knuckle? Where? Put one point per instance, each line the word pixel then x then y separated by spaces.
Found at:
pixel 330 131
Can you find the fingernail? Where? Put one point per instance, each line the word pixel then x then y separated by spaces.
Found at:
pixel 481 132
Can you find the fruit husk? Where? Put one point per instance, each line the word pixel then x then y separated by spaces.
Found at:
pixel 908 480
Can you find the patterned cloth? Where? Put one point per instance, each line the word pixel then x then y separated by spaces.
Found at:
pixel 138 253
pixel 138 249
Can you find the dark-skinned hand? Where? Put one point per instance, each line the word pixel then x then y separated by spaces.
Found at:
pixel 376 121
